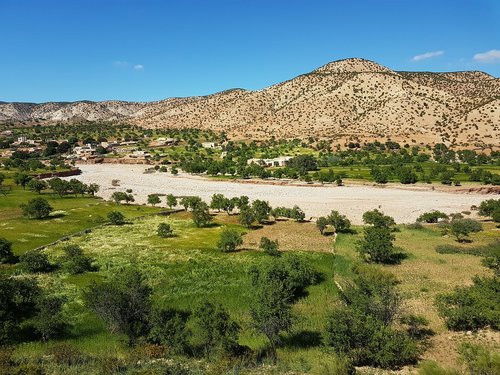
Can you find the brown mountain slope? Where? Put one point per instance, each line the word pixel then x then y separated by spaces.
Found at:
pixel 346 98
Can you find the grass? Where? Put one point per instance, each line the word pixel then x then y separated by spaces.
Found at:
pixel 187 269
pixel 71 214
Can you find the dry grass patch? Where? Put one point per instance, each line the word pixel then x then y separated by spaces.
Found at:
pixel 292 236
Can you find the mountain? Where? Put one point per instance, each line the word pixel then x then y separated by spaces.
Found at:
pixel 345 99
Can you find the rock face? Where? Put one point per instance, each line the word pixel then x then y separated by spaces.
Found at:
pixel 352 98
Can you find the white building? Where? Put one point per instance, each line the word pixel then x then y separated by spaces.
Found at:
pixel 281 161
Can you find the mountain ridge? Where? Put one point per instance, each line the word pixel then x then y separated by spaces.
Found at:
pixel 344 99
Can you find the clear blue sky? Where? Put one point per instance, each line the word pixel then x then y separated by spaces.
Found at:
pixel 66 50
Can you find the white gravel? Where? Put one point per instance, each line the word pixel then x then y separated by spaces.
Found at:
pixel 404 205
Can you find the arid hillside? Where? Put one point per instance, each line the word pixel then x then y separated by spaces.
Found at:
pixel 353 98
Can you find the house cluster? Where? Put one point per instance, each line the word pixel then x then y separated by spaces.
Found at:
pixel 26 144
pixel 281 161
pixel 162 142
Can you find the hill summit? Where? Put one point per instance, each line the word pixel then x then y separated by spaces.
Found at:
pixel 351 99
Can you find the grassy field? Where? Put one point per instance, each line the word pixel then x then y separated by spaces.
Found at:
pixel 187 269
pixel 71 214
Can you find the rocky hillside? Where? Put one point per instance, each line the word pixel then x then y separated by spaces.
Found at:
pixel 346 99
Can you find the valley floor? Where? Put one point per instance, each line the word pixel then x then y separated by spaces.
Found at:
pixel 405 205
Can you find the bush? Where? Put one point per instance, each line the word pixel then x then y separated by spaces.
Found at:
pixel 461 228
pixel 116 218
pixel 432 217
pixel 340 222
pixel 201 215
pixel 75 261
pixel 229 240
pixel 168 328
pixel 479 360
pixel 37 208
pixel 6 254
pixel 488 207
pixel 269 247
pixel 66 354
pixel 35 261
pixel 164 230
pixel 377 246
pixel 472 308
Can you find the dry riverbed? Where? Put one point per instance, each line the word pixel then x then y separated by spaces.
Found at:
pixel 402 204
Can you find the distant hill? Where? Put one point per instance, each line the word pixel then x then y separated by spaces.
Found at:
pixel 346 99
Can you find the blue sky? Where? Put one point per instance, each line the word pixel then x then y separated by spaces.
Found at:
pixel 142 50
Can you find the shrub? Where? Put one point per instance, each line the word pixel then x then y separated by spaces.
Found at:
pixel 37 208
pixel 479 360
pixel 6 254
pixel 201 215
pixel 472 308
pixel 488 207
pixel 35 261
pixel 432 217
pixel 75 261
pixel 340 222
pixel 461 228
pixel 269 247
pixel 377 246
pixel 116 218
pixel 164 230
pixel 168 328
pixel 229 240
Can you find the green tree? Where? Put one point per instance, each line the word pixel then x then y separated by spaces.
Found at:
pixel 116 218
pixel 217 332
pixel 246 217
pixel 77 187
pixel 164 230
pixel 229 240
pixel 35 261
pixel 153 199
pixel 93 188
pixel 217 202
pixel 21 179
pixel 270 247
pixel 261 210
pixel 201 215
pixel 377 246
pixel 461 228
pixel 123 303
pixel 271 304
pixel 171 200
pixel 37 185
pixel 37 208
pixel 322 224
pixel 75 261
pixel 432 217
pixel 168 328
pixel 49 321
pixel 378 219
pixel 340 222
pixel 6 254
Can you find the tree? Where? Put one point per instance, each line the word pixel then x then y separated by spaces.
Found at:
pixel 164 230
pixel 171 200
pixel 168 328
pixel 490 207
pixel 269 247
pixel 37 185
pixel 377 246
pixel 123 303
pixel 201 215
pixel 116 218
pixel 229 240
pixel 37 208
pixel 432 217
pixel 340 222
pixel 246 216
pixel 217 202
pixel 407 175
pixel 35 261
pixel 461 228
pixel 21 179
pixel 153 199
pixel 271 305
pixel 77 187
pixel 49 321
pixel 218 333
pixel 59 186
pixel 322 224
pixel 75 261
pixel 93 188
pixel 6 254
pixel 261 210
pixel 378 219
pixel 119 196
